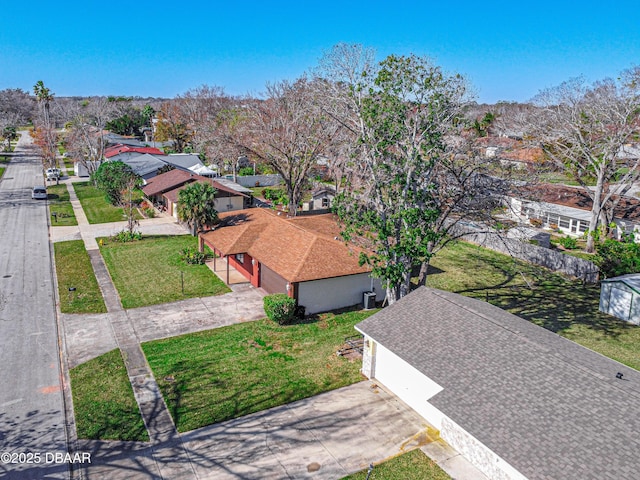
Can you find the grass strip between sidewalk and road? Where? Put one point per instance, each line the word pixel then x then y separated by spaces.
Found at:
pixel 60 207
pixel 74 270
pixel 413 465
pixel 96 207
pixel 151 271
pixel 229 372
pixel 103 401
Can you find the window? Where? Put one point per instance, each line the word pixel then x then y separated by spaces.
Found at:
pixel 240 258
pixel 325 203
pixel 582 227
pixel 563 222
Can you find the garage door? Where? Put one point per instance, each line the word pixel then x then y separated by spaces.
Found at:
pixel 411 386
pixel 271 282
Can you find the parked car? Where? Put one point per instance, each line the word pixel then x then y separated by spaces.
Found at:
pixel 39 193
pixel 53 173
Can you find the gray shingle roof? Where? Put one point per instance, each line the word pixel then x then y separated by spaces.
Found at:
pixel 549 407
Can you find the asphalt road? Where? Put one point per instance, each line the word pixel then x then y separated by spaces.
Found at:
pixel 32 421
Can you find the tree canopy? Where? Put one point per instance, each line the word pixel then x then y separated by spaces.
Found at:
pixel 115 179
pixel 401 112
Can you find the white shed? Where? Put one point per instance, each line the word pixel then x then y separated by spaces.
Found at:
pixel 620 297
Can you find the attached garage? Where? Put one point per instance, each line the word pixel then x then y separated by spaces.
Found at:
pixel 620 297
pixel 270 281
pixel 517 401
pixel 405 381
pixel 337 292
pixel 303 257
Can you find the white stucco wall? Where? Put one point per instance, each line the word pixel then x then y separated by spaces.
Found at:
pixel 415 389
pixel 338 292
pixel 477 453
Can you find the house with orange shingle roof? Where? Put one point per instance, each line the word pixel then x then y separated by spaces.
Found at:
pixel 301 256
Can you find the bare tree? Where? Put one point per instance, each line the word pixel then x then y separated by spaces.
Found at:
pixel 85 135
pixel 17 107
pixel 584 129
pixel 289 131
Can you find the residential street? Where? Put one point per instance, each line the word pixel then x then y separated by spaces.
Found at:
pixel 32 420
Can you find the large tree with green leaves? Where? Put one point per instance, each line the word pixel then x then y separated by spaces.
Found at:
pixel 400 113
pixel 196 205
pixel 115 179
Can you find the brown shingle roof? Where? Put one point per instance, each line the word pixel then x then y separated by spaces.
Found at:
pixel 167 181
pixel 627 209
pixel 298 249
pixel 172 195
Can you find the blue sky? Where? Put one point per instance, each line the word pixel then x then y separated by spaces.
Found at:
pixel 508 50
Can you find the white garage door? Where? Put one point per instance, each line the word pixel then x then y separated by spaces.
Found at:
pixel 413 388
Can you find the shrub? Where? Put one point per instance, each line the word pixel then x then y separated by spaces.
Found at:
pixel 192 256
pixel 149 212
pixel 280 308
pixel 569 243
pixel 126 236
pixel 617 258
pixel 245 171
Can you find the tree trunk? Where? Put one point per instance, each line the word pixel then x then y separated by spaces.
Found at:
pixel 424 271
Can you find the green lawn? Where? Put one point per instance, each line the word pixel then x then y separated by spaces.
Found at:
pixel 103 401
pixel 73 269
pixel 229 372
pixel 60 205
pixel 96 207
pixel 150 271
pixel 413 465
pixel 2 169
pixel 566 307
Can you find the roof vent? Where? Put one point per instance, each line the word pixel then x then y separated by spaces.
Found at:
pixel 619 375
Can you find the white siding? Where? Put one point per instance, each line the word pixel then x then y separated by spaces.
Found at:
pixel 410 385
pixel 338 292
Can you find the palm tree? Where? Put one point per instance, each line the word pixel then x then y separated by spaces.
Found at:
pixel 196 205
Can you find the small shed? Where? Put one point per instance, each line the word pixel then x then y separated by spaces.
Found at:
pixel 620 297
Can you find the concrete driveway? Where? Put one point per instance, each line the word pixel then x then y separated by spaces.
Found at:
pixel 90 335
pixel 326 436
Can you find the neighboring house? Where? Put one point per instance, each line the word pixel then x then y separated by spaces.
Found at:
pixel 620 297
pixel 321 199
pixel 518 401
pixel 302 256
pixel 238 188
pixel 122 152
pixel 569 209
pixel 162 190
